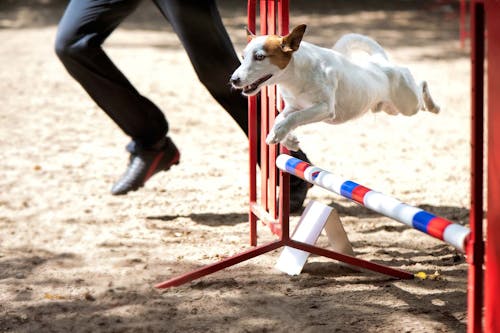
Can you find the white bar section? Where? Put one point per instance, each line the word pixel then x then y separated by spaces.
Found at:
pixel 456 235
pixel 330 182
pixel 390 207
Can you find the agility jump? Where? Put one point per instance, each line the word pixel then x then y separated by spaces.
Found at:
pixel 438 227
pixel 274 20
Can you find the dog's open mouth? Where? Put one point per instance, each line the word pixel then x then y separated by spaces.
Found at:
pixel 254 86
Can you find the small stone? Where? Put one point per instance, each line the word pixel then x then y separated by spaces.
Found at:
pixel 88 296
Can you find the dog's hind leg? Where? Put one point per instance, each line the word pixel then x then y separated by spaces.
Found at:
pixel 406 96
pixel 429 103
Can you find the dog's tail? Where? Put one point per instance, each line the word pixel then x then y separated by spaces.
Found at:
pixel 349 43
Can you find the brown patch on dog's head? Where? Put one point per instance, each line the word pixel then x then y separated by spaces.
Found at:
pixel 279 49
pixel 275 53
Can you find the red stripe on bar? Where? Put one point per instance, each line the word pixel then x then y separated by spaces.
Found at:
pixel 437 226
pixel 358 194
pixel 300 168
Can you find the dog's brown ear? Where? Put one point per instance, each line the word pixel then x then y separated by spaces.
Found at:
pixel 250 34
pixel 291 42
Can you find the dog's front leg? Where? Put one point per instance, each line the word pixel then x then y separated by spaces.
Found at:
pixel 287 121
pixel 290 141
pixel 273 137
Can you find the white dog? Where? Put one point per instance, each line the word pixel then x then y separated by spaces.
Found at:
pixel 319 84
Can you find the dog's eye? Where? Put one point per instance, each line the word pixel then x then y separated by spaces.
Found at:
pixel 259 56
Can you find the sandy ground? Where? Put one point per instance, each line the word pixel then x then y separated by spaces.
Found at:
pixel 73 258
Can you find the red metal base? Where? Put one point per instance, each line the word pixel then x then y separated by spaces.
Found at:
pixel 259 250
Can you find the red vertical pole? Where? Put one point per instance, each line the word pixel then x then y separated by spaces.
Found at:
pixel 264 126
pixel 252 138
pixel 462 27
pixel 284 177
pixel 283 17
pixel 475 246
pixel 283 29
pixel 272 111
pixel 492 270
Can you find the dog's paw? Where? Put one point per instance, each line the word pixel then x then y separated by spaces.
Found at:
pixel 272 138
pixel 291 142
pixel 278 133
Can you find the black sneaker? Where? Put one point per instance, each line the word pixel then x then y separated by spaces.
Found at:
pixel 298 187
pixel 144 163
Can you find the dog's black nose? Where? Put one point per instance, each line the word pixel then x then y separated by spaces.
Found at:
pixel 234 80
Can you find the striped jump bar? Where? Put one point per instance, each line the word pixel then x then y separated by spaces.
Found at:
pixel 414 217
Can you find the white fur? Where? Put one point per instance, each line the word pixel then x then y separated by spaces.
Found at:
pixel 331 85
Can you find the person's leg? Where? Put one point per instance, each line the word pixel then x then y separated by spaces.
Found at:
pixel 82 30
pixel 203 35
pixel 200 30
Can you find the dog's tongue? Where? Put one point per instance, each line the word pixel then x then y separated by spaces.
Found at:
pixel 250 88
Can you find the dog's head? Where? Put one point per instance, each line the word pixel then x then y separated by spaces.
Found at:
pixel 264 58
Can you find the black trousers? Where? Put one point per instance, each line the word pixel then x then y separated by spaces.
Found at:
pixel 86 24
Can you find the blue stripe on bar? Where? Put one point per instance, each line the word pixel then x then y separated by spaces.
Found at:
pixel 347 187
pixel 291 164
pixel 421 220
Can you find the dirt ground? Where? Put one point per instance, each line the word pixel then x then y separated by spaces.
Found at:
pixel 73 258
